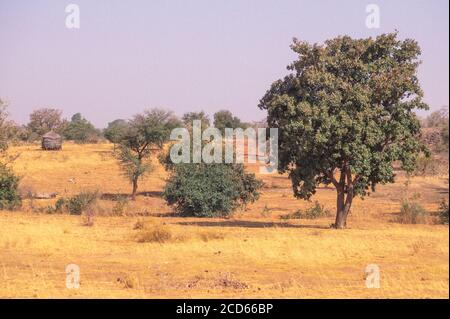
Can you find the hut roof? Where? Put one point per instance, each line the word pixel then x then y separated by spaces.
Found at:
pixel 51 135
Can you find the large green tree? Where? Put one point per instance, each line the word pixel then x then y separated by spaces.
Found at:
pixel 345 114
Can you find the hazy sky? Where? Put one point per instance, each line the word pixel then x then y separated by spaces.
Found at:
pixel 187 55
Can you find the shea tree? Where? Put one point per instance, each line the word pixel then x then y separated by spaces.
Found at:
pixel 144 134
pixel 345 115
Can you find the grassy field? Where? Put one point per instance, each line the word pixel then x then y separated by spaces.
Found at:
pixel 252 254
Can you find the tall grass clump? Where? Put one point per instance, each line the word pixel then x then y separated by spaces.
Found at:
pixel 412 212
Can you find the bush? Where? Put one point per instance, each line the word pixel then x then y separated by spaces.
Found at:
pixel 443 213
pixel 210 190
pixel 314 212
pixel 412 213
pixel 120 206
pixel 9 192
pixel 77 204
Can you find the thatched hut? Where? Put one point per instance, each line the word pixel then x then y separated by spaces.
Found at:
pixel 51 141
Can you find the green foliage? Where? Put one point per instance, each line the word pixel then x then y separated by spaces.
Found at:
pixel 443 213
pixel 145 133
pixel 115 131
pixel 9 193
pixel 210 190
pixel 80 203
pixel 133 167
pixel 81 130
pixel 314 212
pixel 225 119
pixel 347 107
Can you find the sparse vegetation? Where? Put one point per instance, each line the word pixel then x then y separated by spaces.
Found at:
pixel 412 212
pixel 313 212
pixel 76 205
pixel 153 233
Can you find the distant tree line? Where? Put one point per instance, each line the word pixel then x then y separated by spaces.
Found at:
pixel 81 130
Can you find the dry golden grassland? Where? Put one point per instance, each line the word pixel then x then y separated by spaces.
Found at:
pixel 148 253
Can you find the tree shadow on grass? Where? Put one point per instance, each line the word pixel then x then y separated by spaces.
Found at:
pixel 249 224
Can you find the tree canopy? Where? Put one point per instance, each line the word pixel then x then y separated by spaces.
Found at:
pixel 225 119
pixel 145 133
pixel 44 120
pixel 345 114
pixel 80 130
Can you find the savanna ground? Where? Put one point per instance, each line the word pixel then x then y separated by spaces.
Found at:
pixel 252 254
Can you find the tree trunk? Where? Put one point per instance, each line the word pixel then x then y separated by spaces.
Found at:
pixel 344 203
pixel 340 210
pixel 135 187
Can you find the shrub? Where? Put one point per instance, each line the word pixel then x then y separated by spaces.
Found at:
pixel 314 212
pixel 412 213
pixel 443 213
pixel 9 192
pixel 78 204
pixel 210 190
pixel 120 205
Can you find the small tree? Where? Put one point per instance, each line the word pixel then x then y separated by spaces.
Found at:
pixel 115 131
pixel 80 130
pixel 146 132
pixel 45 120
pixel 345 114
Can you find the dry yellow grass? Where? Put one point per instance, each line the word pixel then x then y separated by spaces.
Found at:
pixel 252 254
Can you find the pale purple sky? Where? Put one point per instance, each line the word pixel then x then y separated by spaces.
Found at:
pixel 187 55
